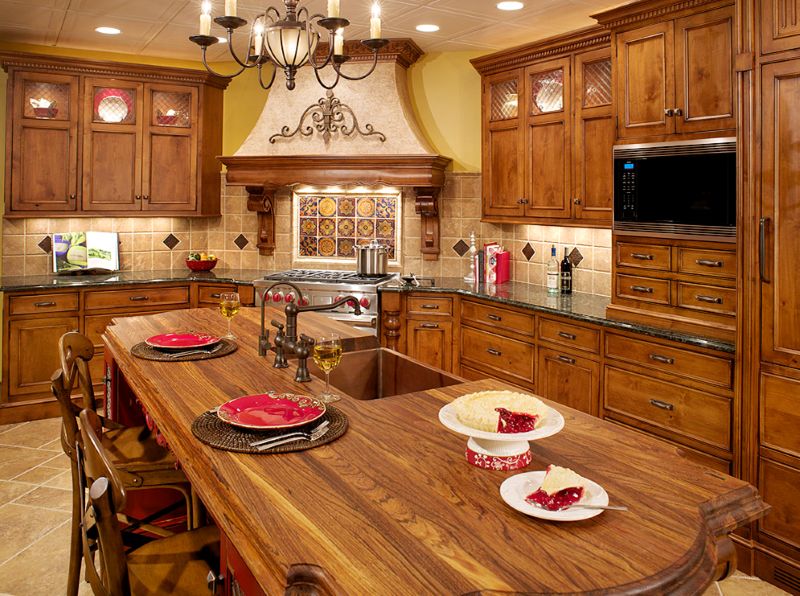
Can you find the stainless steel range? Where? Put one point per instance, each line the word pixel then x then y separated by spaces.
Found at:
pixel 325 287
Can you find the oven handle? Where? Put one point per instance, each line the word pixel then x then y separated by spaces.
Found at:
pixel 371 324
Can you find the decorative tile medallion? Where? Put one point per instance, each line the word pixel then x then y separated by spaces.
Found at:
pixel 241 241
pixel 171 241
pixel 46 244
pixel 575 257
pixel 461 248
pixel 528 251
pixel 329 226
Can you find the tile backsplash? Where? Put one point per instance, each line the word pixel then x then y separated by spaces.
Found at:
pixel 163 242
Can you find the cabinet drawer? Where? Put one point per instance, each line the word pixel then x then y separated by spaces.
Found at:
pixel 569 336
pixel 500 318
pixel 209 295
pixel 707 298
pixel 643 289
pixel 780 414
pixel 644 256
pixel 684 363
pixel 500 355
pixel 42 303
pixel 138 297
pixel 682 411
pixel 715 263
pixel 429 305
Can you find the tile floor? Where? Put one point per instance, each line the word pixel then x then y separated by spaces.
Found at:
pixel 35 511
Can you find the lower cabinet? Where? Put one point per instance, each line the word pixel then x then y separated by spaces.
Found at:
pixel 431 342
pixel 499 356
pixel 568 379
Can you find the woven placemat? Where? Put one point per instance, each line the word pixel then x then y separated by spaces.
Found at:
pixel 142 350
pixel 212 431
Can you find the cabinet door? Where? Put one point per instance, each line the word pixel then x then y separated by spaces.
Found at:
pixel 112 145
pixel 502 145
pixel 547 139
pixel 780 198
pixel 780 25
pixel 169 156
pixel 44 146
pixel 594 136
pixel 33 353
pixel 778 484
pixel 569 380
pixel 704 75
pixel 431 342
pixel 645 81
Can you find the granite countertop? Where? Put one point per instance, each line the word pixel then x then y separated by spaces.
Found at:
pixel 589 308
pixel 10 283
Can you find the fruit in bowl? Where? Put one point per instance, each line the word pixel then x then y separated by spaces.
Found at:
pixel 200 261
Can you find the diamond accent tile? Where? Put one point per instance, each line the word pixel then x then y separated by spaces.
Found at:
pixel 241 241
pixel 461 248
pixel 528 251
pixel 171 241
pixel 575 257
pixel 46 244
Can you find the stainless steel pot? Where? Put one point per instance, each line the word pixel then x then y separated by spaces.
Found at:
pixel 371 259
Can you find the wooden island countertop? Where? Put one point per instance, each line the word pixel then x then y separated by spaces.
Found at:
pixel 393 507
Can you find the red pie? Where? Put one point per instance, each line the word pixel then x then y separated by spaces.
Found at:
pixel 560 488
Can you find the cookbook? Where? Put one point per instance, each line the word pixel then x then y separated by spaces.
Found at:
pixel 82 251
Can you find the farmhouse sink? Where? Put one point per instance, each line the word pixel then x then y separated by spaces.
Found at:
pixel 380 372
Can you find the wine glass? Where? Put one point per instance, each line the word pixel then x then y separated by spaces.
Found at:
pixel 229 306
pixel 327 355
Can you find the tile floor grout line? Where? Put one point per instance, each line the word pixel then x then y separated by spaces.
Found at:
pixel 42 537
pixel 53 509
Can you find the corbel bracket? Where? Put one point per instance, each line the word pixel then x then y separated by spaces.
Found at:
pixel 261 199
pixel 427 207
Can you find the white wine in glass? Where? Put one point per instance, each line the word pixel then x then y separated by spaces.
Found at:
pixel 229 305
pixel 327 355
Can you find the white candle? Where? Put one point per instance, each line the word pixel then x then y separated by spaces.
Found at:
pixel 258 31
pixel 205 18
pixel 375 22
pixel 338 42
pixel 230 8
pixel 333 9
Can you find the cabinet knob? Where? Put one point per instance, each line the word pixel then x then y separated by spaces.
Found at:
pixel 566 359
pixel 709 263
pixel 662 404
pixel 576 201
pixel 522 201
pixel 138 197
pixel 710 299
pixel 146 197
pixel 661 359
pixel 494 352
pixel 642 289
pixel 72 196
pixel 678 112
pixel 429 326
pixel 565 335
pixel 669 112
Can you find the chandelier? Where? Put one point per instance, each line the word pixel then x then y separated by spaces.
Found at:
pixel 289 41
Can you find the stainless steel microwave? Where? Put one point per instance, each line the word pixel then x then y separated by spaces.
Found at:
pixel 683 188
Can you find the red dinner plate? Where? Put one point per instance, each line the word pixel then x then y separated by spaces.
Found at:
pixel 181 341
pixel 266 411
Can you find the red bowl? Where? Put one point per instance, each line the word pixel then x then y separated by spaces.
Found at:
pixel 201 265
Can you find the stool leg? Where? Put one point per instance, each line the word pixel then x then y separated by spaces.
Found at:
pixel 75 544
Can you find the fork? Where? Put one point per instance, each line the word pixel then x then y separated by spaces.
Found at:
pixel 298 433
pixel 313 435
pixel 191 352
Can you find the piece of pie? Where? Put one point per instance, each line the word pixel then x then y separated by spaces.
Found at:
pixel 500 411
pixel 560 489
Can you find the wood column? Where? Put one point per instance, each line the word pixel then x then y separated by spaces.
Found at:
pixel 261 199
pixel 390 320
pixel 427 207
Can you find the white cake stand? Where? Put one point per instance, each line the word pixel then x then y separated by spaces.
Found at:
pixel 500 451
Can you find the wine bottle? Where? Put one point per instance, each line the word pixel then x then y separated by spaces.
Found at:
pixel 566 274
pixel 552 272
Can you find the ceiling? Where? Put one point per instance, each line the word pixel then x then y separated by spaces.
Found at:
pixel 162 27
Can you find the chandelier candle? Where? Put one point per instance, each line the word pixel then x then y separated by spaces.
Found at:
pixel 230 8
pixel 333 9
pixel 205 18
pixel 375 22
pixel 258 36
pixel 338 43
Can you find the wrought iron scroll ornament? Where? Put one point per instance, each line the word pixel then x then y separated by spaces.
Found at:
pixel 328 117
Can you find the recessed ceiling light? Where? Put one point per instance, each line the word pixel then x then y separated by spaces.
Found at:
pixel 510 5
pixel 108 30
pixel 427 28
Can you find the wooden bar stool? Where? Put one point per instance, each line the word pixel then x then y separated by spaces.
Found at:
pixel 178 565
pixel 140 462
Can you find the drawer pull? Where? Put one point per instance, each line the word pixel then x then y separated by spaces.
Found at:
pixel 138 298
pixel 429 325
pixel 216 295
pixel 708 263
pixel 642 256
pixel 494 352
pixel 661 404
pixel 642 289
pixel 711 299
pixel 662 359
pixel 430 306
pixel 565 335
pixel 494 317
pixel 567 359
pixel 43 304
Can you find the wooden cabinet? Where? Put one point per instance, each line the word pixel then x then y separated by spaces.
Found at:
pixel 569 379
pixel 676 77
pixel 548 131
pixel 140 129
pixel 779 25
pixel 429 330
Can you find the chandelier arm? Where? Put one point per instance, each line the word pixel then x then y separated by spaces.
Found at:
pixel 365 75
pixel 311 59
pixel 267 15
pixel 321 82
pixel 218 74
pixel 271 78
pixel 246 63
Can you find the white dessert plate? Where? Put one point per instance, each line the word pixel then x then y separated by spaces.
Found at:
pixel 553 422
pixel 517 487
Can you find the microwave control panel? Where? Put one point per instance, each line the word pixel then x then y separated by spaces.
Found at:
pixel 627 190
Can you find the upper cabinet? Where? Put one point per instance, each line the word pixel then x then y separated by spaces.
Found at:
pixel 674 73
pixel 548 131
pixel 780 25
pixel 110 138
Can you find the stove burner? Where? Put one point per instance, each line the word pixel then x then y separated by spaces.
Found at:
pixel 326 276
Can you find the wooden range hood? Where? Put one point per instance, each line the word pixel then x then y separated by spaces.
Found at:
pixel 264 166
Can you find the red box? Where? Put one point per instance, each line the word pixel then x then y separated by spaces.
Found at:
pixel 503 267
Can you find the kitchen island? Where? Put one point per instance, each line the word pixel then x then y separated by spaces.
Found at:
pixel 392 506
